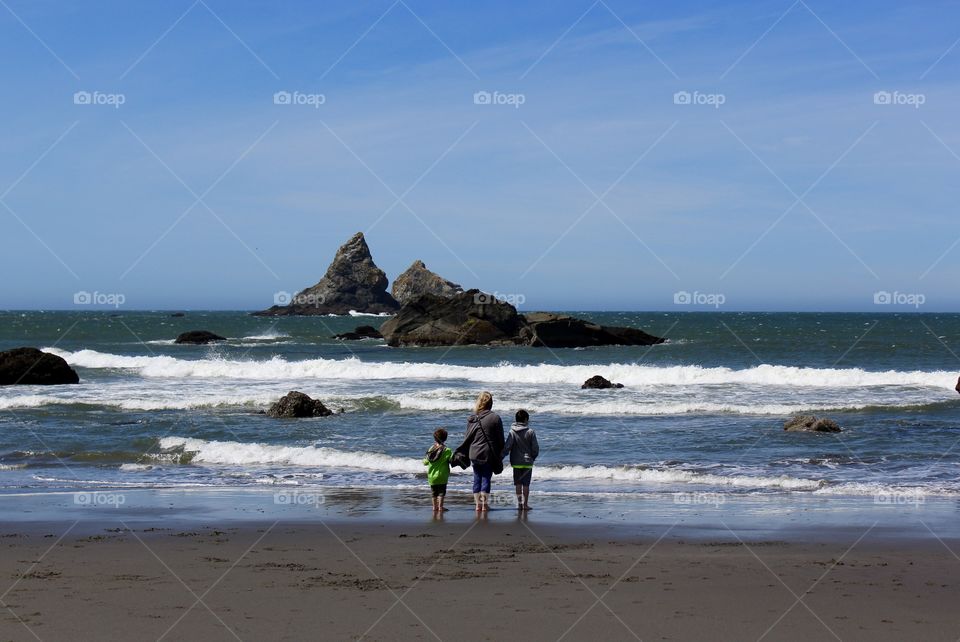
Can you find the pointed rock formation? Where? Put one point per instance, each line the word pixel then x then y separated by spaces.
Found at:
pixel 352 282
pixel 418 280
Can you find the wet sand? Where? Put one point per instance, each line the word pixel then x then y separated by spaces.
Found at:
pixel 460 578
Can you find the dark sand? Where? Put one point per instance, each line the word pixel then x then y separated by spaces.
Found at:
pixel 499 579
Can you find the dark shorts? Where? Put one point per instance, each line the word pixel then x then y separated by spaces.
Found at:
pixel 439 490
pixel 522 476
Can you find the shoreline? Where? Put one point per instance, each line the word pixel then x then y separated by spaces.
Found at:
pixel 691 516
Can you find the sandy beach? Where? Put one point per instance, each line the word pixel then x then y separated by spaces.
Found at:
pixel 278 275
pixel 503 577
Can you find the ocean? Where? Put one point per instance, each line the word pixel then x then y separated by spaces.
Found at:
pixel 702 413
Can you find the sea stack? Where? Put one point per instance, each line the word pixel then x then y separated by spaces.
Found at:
pixel 418 280
pixel 353 282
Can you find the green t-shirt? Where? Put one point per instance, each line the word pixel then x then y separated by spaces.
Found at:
pixel 438 472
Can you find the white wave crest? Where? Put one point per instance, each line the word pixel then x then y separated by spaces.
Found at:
pixel 631 473
pixel 141 401
pixel 237 453
pixel 623 404
pixel 354 313
pixel 135 468
pixel 267 336
pixel 631 375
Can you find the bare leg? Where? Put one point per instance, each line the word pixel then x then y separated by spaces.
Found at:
pixel 485 501
pixel 476 500
pixel 440 503
pixel 519 497
pixel 526 498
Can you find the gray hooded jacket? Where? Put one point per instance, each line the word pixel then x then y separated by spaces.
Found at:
pixel 484 440
pixel 522 446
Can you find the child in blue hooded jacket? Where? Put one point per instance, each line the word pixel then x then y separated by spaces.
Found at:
pixel 523 449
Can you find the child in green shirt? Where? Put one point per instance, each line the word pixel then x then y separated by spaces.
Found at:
pixel 438 471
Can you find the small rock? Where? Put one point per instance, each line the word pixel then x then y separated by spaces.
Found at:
pixel 811 423
pixel 600 383
pixel 296 404
pixel 360 332
pixel 199 337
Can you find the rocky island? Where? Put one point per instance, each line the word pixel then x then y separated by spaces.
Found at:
pixel 476 318
pixel 432 311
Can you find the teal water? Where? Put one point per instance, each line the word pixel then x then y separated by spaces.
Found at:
pixel 701 414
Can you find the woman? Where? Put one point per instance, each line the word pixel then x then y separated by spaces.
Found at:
pixel 484 447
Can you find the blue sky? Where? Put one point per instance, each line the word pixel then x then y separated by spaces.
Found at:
pixel 599 191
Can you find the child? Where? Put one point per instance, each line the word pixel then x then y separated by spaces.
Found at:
pixel 438 461
pixel 523 449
